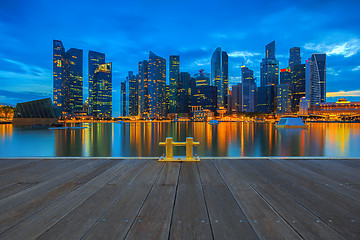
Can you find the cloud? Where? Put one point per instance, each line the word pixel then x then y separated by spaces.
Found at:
pixel 353 93
pixel 332 71
pixel 14 97
pixel 243 54
pixel 346 49
pixel 356 69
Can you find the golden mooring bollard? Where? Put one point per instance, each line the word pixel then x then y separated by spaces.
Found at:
pixel 169 150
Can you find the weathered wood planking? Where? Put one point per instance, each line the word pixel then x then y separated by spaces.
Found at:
pixel 82 218
pixel 227 219
pixel 33 227
pixel 190 218
pixel 319 205
pixel 266 222
pixel 298 217
pixel 117 220
pixel 212 199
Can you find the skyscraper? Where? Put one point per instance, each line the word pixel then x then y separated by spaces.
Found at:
pixel 297 86
pixel 283 98
pixel 248 89
pixel 316 78
pixel 157 86
pixel 236 95
pixel 174 69
pixel 102 91
pixel 269 67
pixel 202 78
pixel 184 93
pixel 123 99
pixel 220 76
pixel 67 79
pixel 132 98
pixel 143 88
pixel 294 58
pixel 94 60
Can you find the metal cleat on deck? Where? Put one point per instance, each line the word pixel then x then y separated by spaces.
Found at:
pixel 169 150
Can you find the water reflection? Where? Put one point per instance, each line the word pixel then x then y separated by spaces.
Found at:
pixel 142 139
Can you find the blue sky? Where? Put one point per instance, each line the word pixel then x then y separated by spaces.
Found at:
pixel 127 30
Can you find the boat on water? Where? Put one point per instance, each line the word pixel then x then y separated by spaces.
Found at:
pixel 291 122
pixel 213 122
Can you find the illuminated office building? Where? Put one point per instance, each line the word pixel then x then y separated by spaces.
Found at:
pixel 283 98
pixel 132 98
pixel 123 112
pixel 94 60
pixel 102 91
pixel 285 76
pixel 266 99
pixel 157 86
pixel 269 67
pixel 143 88
pixel 248 90
pixel 67 79
pixel 316 78
pixel 220 76
pixel 297 86
pixel 184 93
pixel 204 97
pixel 202 78
pixel 174 69
pixel 294 58
pixel 236 95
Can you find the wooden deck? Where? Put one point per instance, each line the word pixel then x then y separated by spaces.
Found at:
pixel 212 199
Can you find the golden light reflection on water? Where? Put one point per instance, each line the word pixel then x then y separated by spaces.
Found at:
pixel 225 139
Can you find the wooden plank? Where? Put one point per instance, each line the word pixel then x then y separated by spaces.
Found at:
pixel 352 207
pixel 266 222
pixel 28 208
pixel 344 188
pixel 227 219
pixel 190 218
pixel 18 198
pixel 30 170
pixel 24 181
pixel 81 219
pixel 33 227
pixel 292 184
pixel 13 165
pixel 123 212
pixel 154 218
pixel 298 217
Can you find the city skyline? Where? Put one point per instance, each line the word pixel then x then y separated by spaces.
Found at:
pixel 25 56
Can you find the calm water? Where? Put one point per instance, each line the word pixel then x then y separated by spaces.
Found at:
pixel 141 139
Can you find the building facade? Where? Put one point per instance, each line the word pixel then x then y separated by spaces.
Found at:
pixel 174 70
pixel 157 86
pixel 316 78
pixel 102 86
pixel 143 88
pixel 94 60
pixel 202 78
pixel 220 76
pixel 294 58
pixel 248 90
pixel 269 67
pixel 297 86
pixel 67 79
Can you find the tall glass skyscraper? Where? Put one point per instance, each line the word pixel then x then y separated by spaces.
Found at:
pixel 220 75
pixel 132 98
pixel 68 79
pixel 248 89
pixel 94 60
pixel 269 67
pixel 174 69
pixel 102 91
pixel 297 86
pixel 316 78
pixel 294 58
pixel 143 88
pixel 184 93
pixel 157 86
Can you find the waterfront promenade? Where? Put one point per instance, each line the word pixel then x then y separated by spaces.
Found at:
pixel 212 199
